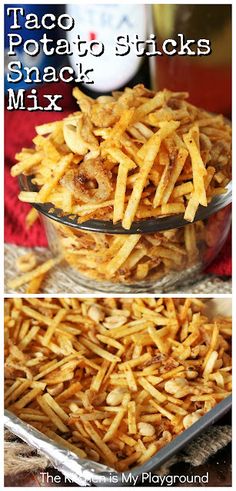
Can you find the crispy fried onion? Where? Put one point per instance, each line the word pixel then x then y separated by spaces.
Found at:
pixel 90 182
pixel 78 134
pixel 104 115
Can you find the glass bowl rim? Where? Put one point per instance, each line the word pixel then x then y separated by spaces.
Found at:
pixel 150 225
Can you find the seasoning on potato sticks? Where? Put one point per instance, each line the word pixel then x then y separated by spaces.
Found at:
pixel 114 380
pixel 133 155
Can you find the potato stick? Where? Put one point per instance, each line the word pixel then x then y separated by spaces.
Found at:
pixel 132 426
pixel 128 440
pixel 31 218
pixel 148 151
pixel 214 339
pixel 51 414
pixel 111 457
pixel 26 164
pixel 209 176
pixel 125 463
pixel 98 350
pixel 176 409
pixel 92 207
pixel 151 418
pixel 37 384
pixel 13 396
pixel 205 397
pixel 121 125
pixel 57 174
pixel 162 410
pixel 172 372
pixel 109 341
pixel 46 128
pixel 148 106
pixel 35 284
pixel 122 254
pixel 191 209
pixel 17 353
pixel 64 442
pixel 11 389
pixel 94 416
pixel 55 365
pixel 28 337
pixel 156 336
pixel 125 165
pixel 172 208
pixel 135 362
pixel 149 452
pixel 190 240
pixel 53 325
pixel 55 407
pixel 120 332
pixel 34 314
pixel 115 425
pixel 28 196
pixel 164 180
pixel 152 390
pixel 34 417
pixel 99 377
pixel 210 363
pixel 144 130
pixel 67 393
pixel 27 398
pixel 135 257
pixel 30 275
pixel 198 168
pixel 115 246
pixel 80 96
pixel 131 379
pixel 178 166
pixel 182 189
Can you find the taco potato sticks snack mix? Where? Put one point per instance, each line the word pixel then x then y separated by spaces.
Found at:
pixel 114 380
pixel 130 156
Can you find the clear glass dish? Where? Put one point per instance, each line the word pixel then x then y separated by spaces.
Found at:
pixel 154 255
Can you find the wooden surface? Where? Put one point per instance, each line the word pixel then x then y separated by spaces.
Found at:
pixel 218 468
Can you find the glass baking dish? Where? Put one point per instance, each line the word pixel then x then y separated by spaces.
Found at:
pixel 88 473
pixel 154 255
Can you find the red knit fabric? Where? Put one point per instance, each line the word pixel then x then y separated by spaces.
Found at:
pixel 19 131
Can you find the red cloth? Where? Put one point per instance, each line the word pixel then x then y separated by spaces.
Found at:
pixel 19 131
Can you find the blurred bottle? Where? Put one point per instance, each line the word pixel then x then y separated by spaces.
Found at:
pixel 104 23
pixel 206 78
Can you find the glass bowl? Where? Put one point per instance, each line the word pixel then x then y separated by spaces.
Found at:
pixel 153 256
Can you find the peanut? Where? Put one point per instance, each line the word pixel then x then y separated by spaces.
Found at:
pixel 96 313
pixel 114 321
pixel 115 397
pixel 146 429
pixel 56 389
pixel 191 374
pixel 191 418
pixel 172 386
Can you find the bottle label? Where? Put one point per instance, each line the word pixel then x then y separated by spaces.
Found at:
pixel 104 23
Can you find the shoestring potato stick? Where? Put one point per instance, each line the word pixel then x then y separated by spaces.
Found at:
pixel 125 157
pixel 114 380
